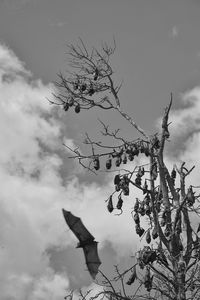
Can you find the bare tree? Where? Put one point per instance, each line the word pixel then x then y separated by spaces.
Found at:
pixel 169 269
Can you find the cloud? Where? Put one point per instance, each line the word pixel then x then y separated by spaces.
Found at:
pixel 33 191
pixel 174 32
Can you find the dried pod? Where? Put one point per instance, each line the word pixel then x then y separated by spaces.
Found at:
pixel 66 106
pixel 148 210
pixel 110 204
pixel 135 150
pixel 190 196
pixel 137 204
pixel 148 237
pixel 96 74
pixel 132 277
pixel 77 108
pixel 124 158
pixel 141 231
pixel 140 172
pixel 137 228
pixel 119 203
pixel 142 148
pixel 198 229
pixel 71 102
pixel 147 199
pixel 96 163
pixel 173 173
pixel 109 162
pixel 91 91
pixel 145 187
pixel 138 180
pixel 118 161
pixel 155 233
pixel 117 179
pixel 75 85
pixel 146 151
pixel 136 218
pixel 141 209
pixel 125 190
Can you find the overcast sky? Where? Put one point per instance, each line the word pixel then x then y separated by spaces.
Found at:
pixel 158 52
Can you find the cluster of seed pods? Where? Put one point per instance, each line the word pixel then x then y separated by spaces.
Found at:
pixel 123 155
pixel 82 87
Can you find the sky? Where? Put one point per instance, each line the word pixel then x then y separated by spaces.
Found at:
pixel 158 52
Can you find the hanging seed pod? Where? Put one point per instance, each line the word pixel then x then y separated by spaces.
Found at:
pixel 118 161
pixel 145 187
pixel 119 203
pixel 132 277
pixel 141 231
pixel 148 210
pixel 75 85
pixel 146 151
pixel 138 180
pixel 71 102
pixel 173 173
pixel 109 162
pixel 77 108
pixel 125 190
pixel 96 163
pixel 110 204
pixel 135 150
pixel 137 229
pixel 147 199
pixel 124 158
pixel 96 74
pixel 117 179
pixel 142 147
pixel 141 209
pixel 140 172
pixel 155 233
pixel 148 237
pixel 66 106
pixel 136 218
pixel 137 204
pixel 198 229
pixel 91 90
pixel 83 87
pixel 190 197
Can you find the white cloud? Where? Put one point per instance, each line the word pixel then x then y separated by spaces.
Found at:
pixel 33 192
pixel 174 32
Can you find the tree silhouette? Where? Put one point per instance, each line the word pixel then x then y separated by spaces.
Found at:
pixel 169 269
